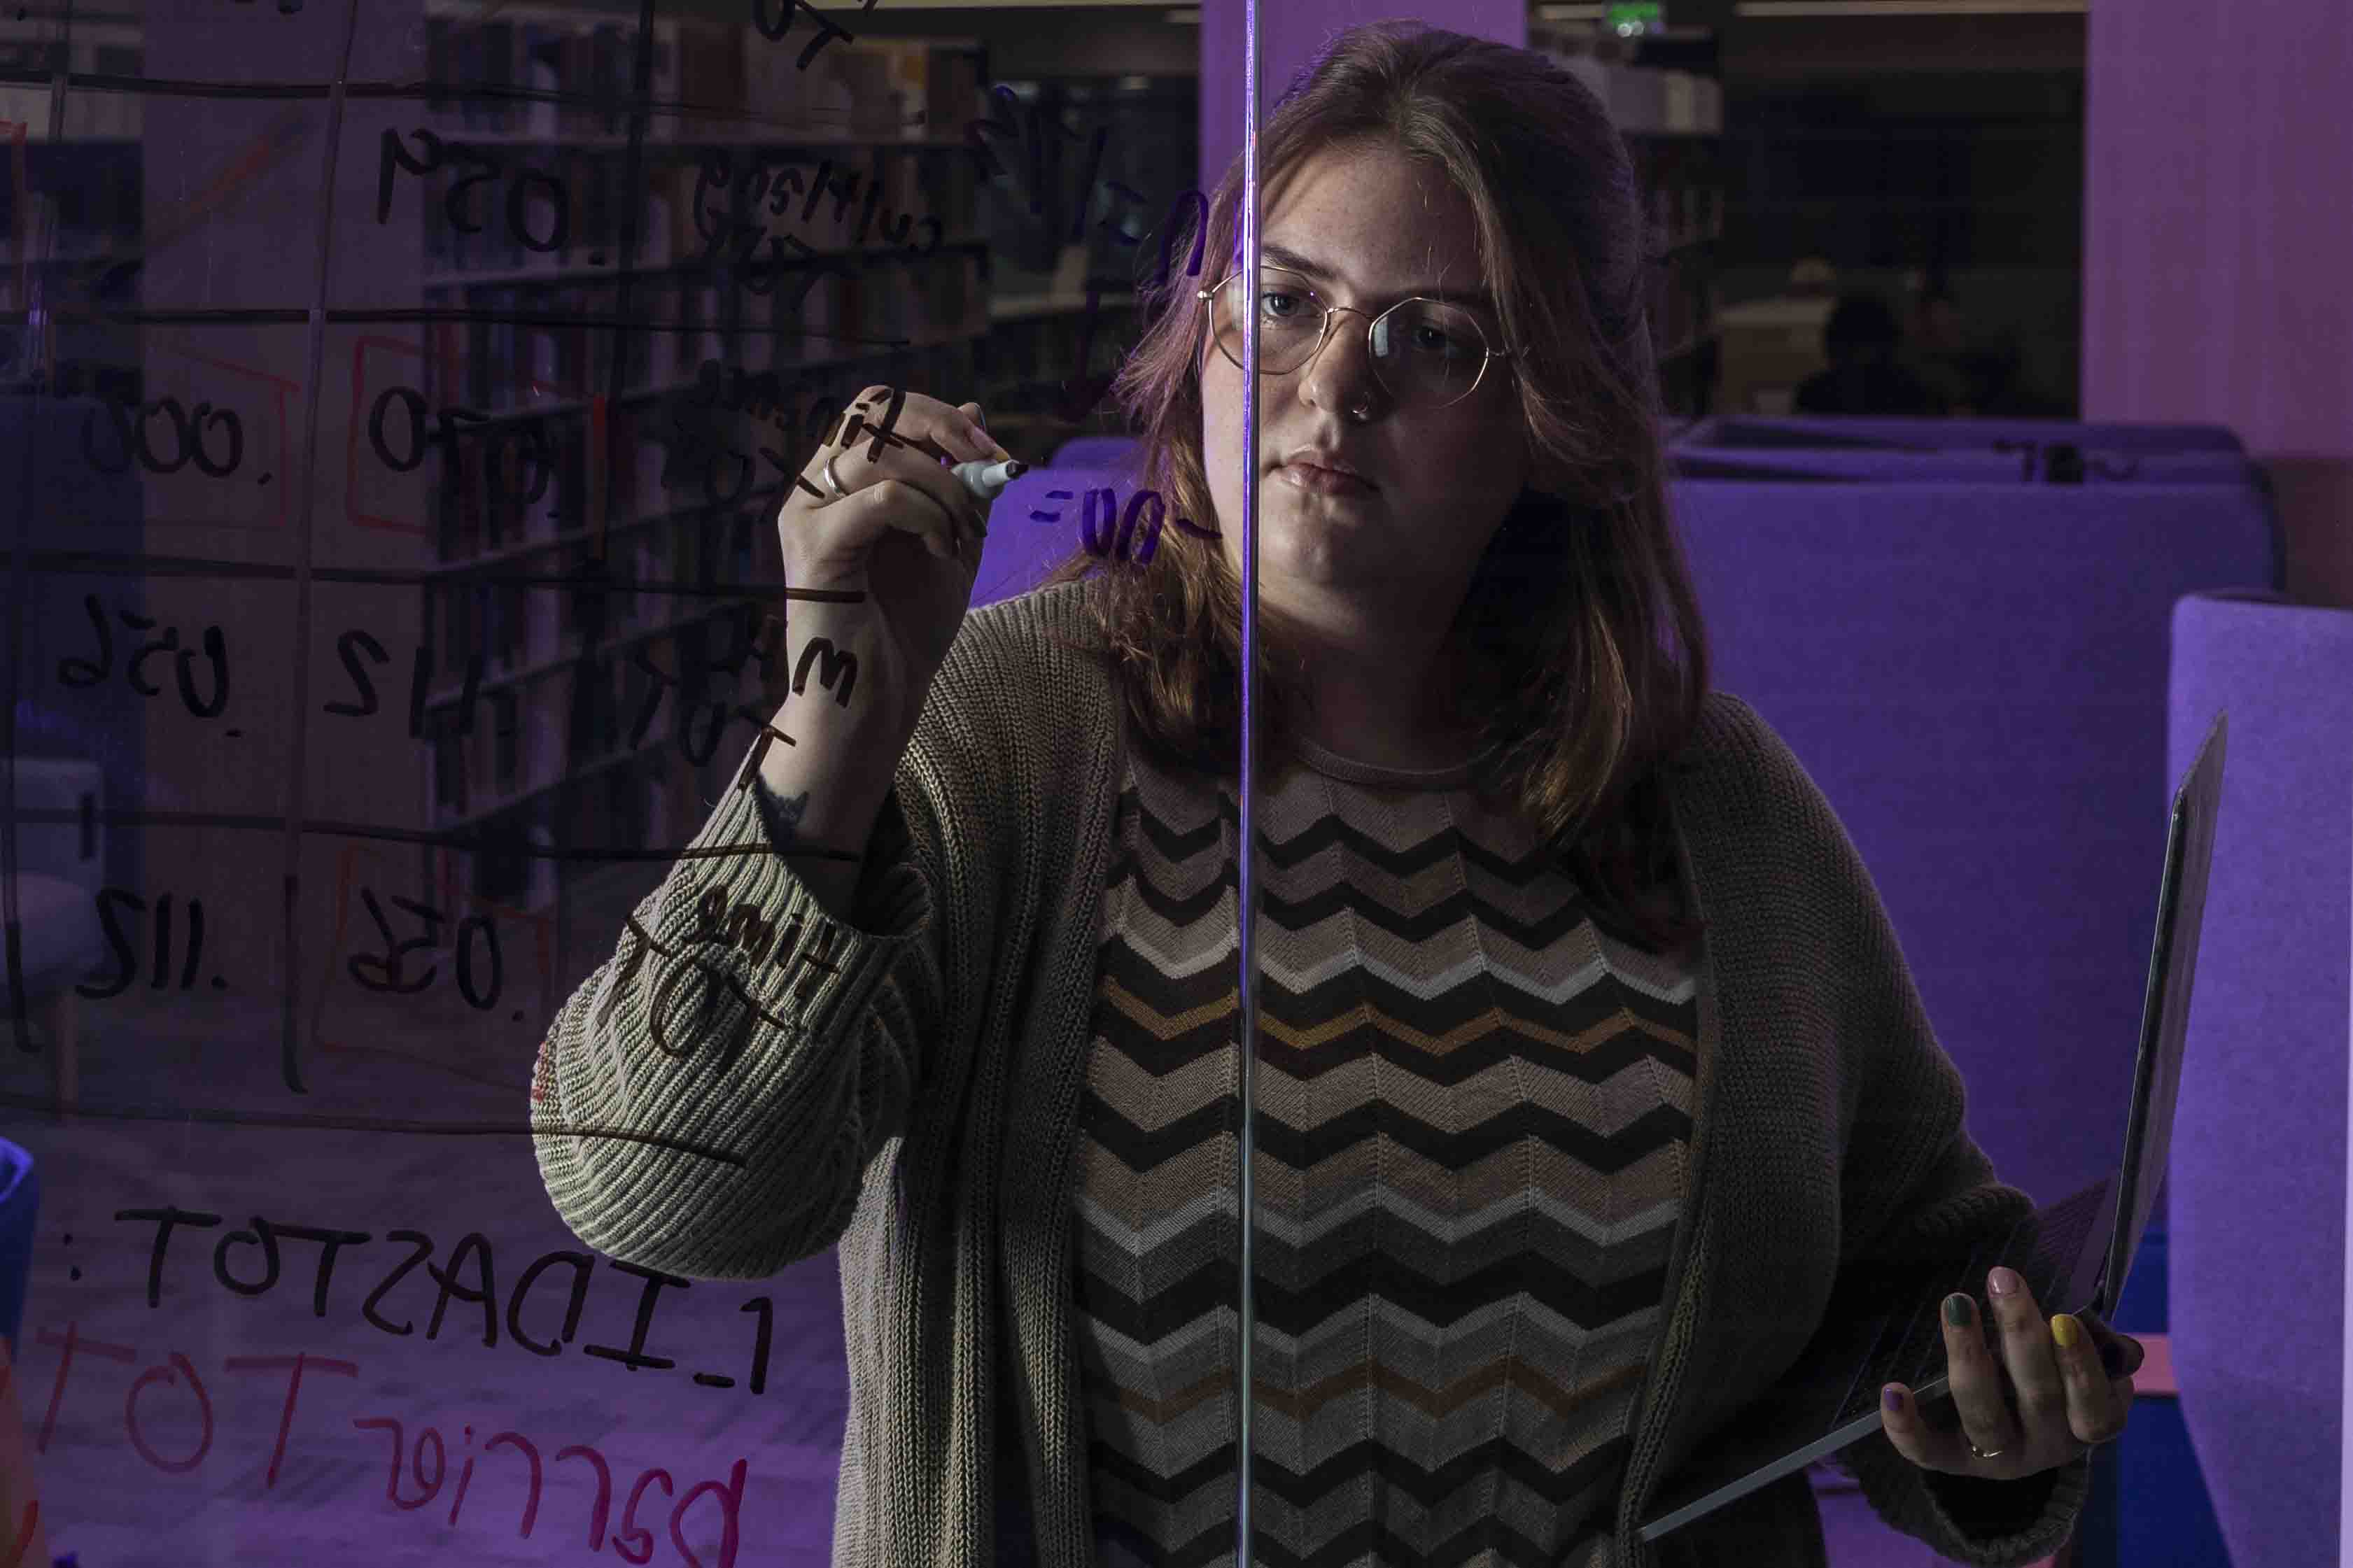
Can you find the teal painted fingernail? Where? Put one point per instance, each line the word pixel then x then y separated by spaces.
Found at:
pixel 1956 1310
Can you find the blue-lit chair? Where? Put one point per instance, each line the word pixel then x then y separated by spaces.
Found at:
pixel 20 1211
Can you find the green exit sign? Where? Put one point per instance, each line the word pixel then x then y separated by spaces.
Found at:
pixel 1630 18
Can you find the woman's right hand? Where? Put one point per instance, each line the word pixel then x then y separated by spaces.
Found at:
pixel 906 533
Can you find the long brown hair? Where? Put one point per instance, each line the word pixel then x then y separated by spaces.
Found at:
pixel 1585 573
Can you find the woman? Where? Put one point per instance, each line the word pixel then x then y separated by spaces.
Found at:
pixel 1549 1186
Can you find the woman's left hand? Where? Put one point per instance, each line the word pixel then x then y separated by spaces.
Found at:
pixel 2041 1402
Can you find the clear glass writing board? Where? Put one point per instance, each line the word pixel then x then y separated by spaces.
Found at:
pixel 398 403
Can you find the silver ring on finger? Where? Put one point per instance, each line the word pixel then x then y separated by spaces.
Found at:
pixel 1980 1453
pixel 833 480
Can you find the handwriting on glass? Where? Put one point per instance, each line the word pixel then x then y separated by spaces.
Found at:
pixel 1101 509
pixel 1082 392
pixel 744 929
pixel 764 178
pixel 470 1278
pixel 774 30
pixel 84 672
pixel 836 669
pixel 177 1373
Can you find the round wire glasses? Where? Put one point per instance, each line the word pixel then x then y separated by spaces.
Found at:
pixel 1426 353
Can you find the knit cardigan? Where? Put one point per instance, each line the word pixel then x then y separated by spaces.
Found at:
pixel 904 1084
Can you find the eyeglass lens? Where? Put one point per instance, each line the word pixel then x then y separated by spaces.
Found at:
pixel 1426 353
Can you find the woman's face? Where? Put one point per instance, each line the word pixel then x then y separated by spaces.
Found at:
pixel 1366 228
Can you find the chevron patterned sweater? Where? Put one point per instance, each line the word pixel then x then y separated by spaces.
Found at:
pixel 1535 1211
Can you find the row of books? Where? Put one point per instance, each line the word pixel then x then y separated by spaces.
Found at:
pixel 531 629
pixel 634 803
pixel 472 767
pixel 516 741
pixel 648 468
pixel 629 803
pixel 1682 182
pixel 518 483
pixel 1040 351
pixel 1641 99
pixel 513 625
pixel 506 624
pixel 571 75
pixel 592 64
pixel 504 359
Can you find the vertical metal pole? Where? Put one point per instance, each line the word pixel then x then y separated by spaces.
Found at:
pixel 1247 946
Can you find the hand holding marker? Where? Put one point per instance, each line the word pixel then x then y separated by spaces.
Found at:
pixel 984 480
pixel 892 536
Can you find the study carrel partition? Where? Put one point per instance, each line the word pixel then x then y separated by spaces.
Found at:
pixel 1966 465
pixel 1895 431
pixel 2260 1299
pixel 1975 677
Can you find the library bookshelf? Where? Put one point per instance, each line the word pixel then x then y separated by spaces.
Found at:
pixel 646 334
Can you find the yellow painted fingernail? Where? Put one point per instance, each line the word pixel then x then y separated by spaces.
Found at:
pixel 2067 1332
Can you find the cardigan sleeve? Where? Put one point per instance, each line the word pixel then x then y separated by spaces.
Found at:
pixel 753 1053
pixel 1916 1189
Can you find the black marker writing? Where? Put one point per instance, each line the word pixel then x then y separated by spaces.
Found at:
pixel 210 439
pixel 747 929
pixel 760 178
pixel 382 973
pixel 764 397
pixel 110 900
pixel 359 652
pixel 90 672
pixel 838 672
pixel 424 1249
pixel 714 712
pixel 763 280
pixel 433 154
pixel 1101 509
pixel 633 1358
pixel 1083 392
pixel 695 454
pixel 774 31
pixel 356 640
pixel 470 1277
pixel 1030 148
pixel 397 418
